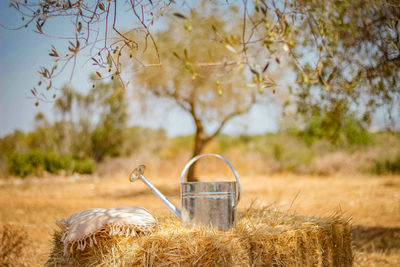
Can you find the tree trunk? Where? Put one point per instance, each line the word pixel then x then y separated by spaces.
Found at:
pixel 199 143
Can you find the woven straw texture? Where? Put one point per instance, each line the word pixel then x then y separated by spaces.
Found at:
pixel 260 238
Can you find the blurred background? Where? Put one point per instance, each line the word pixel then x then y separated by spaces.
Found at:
pixel 301 95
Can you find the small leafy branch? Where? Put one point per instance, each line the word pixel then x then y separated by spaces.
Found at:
pixel 96 32
pixel 93 21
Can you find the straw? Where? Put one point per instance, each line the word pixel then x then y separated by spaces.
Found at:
pixel 260 238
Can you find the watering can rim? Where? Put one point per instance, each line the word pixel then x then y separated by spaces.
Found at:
pixel 215 182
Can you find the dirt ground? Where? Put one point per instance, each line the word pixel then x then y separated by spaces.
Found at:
pixel 373 203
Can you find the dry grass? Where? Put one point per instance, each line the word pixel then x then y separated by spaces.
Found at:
pixel 15 246
pixel 372 202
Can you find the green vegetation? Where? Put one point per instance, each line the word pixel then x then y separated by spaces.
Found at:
pixel 291 151
pixel 349 131
pixel 20 156
pixel 36 162
pixel 345 53
pixel 200 73
pixel 285 151
pixel 76 141
pixel 387 164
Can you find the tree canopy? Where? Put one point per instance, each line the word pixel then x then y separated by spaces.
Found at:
pixel 201 72
pixel 345 53
pixel 356 66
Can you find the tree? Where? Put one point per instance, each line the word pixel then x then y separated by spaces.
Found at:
pixel 200 72
pixel 108 135
pixel 357 68
pixel 345 53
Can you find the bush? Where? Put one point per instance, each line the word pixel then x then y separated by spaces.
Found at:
pixel 387 164
pixel 19 165
pixel 51 162
pixel 84 166
pixel 35 158
pixel 355 133
pixel 26 164
pixel 350 132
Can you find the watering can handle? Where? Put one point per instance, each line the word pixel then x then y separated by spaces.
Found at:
pixel 190 163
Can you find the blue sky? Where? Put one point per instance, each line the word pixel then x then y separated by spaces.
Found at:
pixel 22 52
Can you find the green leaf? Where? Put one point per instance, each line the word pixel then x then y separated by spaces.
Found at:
pixel 176 55
pixel 266 67
pixel 254 71
pixel 109 59
pixel 179 15
pixel 332 75
pixel 230 48
pixel 79 27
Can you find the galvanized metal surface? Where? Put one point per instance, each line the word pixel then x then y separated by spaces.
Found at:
pixel 209 203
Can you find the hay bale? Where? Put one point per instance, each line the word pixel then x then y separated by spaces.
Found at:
pixel 109 251
pixel 173 245
pixel 15 245
pixel 260 238
pixel 280 239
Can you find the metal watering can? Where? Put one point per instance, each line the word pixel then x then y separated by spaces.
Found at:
pixel 203 203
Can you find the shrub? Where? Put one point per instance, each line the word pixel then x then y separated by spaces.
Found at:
pixel 35 158
pixel 66 162
pixel 51 162
pixel 19 165
pixel 350 131
pixel 356 133
pixel 26 164
pixel 84 166
pixel 289 152
pixel 387 164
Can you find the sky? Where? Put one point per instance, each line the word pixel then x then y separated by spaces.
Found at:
pixel 23 52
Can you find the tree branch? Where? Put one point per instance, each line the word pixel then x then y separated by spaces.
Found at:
pixel 230 116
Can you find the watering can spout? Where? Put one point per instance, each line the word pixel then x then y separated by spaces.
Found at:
pixel 138 174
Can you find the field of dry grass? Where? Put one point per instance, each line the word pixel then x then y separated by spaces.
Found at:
pixel 372 202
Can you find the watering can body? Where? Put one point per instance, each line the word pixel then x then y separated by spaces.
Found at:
pixel 212 204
